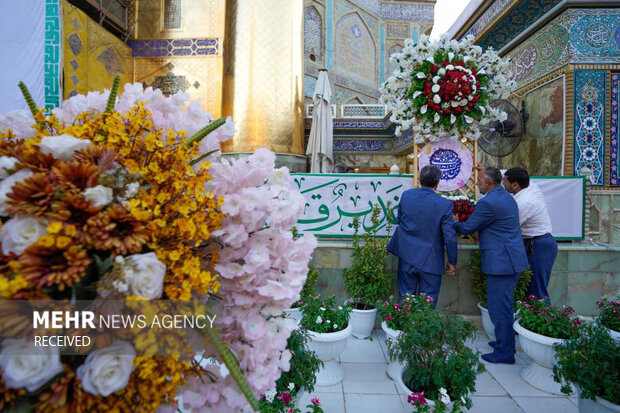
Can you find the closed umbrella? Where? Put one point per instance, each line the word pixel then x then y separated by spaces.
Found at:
pixel 320 144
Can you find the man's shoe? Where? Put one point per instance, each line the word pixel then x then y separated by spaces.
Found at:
pixel 492 358
pixel 492 343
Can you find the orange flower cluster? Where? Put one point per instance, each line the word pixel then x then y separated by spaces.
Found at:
pixel 170 213
pixel 158 204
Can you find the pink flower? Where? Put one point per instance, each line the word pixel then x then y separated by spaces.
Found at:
pixel 416 399
pixel 285 397
pixel 577 322
pixel 389 317
pixel 315 401
pixel 429 299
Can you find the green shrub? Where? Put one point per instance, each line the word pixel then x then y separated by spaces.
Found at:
pixel 368 279
pixel 591 360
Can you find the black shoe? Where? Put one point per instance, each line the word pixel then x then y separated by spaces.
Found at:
pixel 492 358
pixel 492 343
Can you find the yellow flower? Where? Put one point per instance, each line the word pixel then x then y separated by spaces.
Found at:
pixel 62 241
pixel 70 230
pixel 54 227
pixel 46 241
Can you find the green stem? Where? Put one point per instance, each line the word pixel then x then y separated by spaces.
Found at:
pixel 233 366
pixel 113 92
pixel 33 107
pixel 198 136
pixel 200 158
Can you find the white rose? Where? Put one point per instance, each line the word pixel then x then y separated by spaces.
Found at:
pixel 7 184
pixel 147 279
pixel 62 146
pixel 435 88
pixel 6 163
pixel 436 79
pixel 441 72
pixel 437 99
pixel 25 365
pixel 107 370
pixel 99 195
pixel 19 233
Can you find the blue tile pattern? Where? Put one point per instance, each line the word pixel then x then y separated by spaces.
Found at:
pixel 614 149
pixel 175 47
pixel 589 123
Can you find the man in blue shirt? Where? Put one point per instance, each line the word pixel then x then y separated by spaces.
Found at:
pixel 424 228
pixel 496 219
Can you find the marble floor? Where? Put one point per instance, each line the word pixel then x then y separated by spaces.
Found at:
pixel 367 388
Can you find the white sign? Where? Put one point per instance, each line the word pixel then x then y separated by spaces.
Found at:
pixel 333 200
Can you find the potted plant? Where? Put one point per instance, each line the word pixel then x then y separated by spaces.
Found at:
pixel 610 316
pixel 591 361
pixel 540 326
pixel 439 371
pixel 368 279
pixel 304 365
pixel 395 316
pixel 308 290
pixel 329 327
pixel 479 283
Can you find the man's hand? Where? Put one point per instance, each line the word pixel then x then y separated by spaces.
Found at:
pixel 479 167
pixel 450 269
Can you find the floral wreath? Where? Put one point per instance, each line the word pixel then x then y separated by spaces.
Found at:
pixel 443 88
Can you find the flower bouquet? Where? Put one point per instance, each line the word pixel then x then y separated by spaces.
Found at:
pixel 443 88
pixel 463 206
pixel 122 197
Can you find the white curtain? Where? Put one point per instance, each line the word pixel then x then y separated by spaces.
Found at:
pixel 320 144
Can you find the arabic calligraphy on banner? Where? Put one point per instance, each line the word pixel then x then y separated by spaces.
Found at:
pixel 333 200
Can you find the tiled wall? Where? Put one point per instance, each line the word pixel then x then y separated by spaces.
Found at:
pixel 581 275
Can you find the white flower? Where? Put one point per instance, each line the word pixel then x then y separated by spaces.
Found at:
pixel 482 72
pixel 441 72
pixel 146 276
pixel 437 99
pixel 107 370
pixel 62 146
pixel 20 232
pixel 270 395
pixel 416 94
pixel 6 163
pixel 469 119
pixel 421 75
pixel 328 321
pixel 322 308
pixel 423 109
pixel 436 119
pixel 25 365
pixel 450 67
pixel 335 325
pixel 435 88
pixel 450 56
pixel 319 320
pixel 99 195
pixel 463 102
pixel 7 184
pixel 340 307
pixel 452 118
pixel 454 104
pixel 436 79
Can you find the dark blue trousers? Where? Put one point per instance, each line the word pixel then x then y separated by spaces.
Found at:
pixel 541 255
pixel 412 281
pixel 500 299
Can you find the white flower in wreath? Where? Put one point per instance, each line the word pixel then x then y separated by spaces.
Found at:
pixel 62 146
pixel 20 232
pixel 319 320
pixel 6 163
pixel 435 88
pixel 437 99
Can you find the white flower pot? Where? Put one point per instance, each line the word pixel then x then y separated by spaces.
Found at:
pixel 294 313
pixel 598 405
pixel 487 324
pixel 300 394
pixel 362 322
pixel 328 347
pixel 405 392
pixel 394 368
pixel 614 334
pixel 539 348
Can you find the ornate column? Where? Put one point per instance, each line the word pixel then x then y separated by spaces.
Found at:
pixel 263 78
